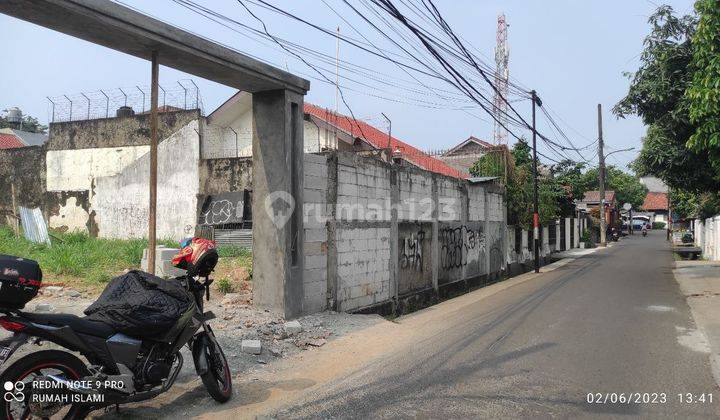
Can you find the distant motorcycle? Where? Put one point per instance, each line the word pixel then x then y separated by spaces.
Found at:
pixel 614 235
pixel 644 232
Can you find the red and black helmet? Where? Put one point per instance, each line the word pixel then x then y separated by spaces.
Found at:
pixel 198 256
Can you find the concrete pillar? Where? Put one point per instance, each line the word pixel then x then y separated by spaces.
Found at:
pixel 278 233
pixel 435 250
pixel 504 232
pixel 568 226
pixel 576 226
pixel 331 211
pixel 716 250
pixel 486 230
pixel 394 239
pixel 698 232
pixel 545 241
pixel 557 236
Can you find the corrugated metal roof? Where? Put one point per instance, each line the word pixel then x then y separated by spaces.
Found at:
pixel 34 226
pixel 479 179
pixel 30 139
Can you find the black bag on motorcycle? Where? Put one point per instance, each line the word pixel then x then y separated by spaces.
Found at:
pixel 19 281
pixel 141 305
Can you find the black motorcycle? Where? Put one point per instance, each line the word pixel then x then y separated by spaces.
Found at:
pixel 121 368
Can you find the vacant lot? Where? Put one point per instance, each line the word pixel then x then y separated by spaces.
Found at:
pixel 81 261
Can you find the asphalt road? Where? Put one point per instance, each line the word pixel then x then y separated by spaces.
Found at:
pixel 610 322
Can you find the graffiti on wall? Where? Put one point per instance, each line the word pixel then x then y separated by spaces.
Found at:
pixel 411 251
pixel 495 246
pixel 414 256
pixel 222 209
pixel 457 244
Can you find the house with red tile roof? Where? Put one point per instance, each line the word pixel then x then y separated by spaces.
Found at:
pixel 657 204
pixel 464 155
pixel 591 200
pixel 228 131
pixel 9 141
pixel 11 138
pixel 367 134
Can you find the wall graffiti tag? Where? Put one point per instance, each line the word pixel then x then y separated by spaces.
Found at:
pixel 411 254
pixel 415 263
pixel 222 209
pixel 456 244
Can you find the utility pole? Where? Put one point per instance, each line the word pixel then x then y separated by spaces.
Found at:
pixel 601 173
pixel 536 216
pixel 152 209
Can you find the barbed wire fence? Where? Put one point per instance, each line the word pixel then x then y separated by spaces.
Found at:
pixel 105 103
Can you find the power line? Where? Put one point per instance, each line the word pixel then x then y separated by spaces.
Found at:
pixel 342 95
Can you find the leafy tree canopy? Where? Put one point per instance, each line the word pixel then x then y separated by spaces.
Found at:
pixel 627 187
pixel 665 93
pixel 703 93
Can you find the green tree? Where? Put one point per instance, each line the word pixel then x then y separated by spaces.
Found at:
pixel 704 91
pixel 30 124
pixel 519 185
pixel 627 187
pixel 568 174
pixel 689 205
pixel 657 95
pixel 676 91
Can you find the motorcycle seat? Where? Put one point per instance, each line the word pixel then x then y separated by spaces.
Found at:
pixel 76 323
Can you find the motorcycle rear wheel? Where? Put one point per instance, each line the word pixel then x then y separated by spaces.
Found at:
pixel 40 363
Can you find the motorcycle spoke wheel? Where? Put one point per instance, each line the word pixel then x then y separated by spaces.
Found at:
pixel 217 378
pixel 16 403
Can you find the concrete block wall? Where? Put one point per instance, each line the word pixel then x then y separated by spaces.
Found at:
pixel 476 203
pixel 450 199
pixel 416 196
pixel 363 189
pixel 707 236
pixel 385 230
pixel 363 262
pixel 315 183
pixel 496 207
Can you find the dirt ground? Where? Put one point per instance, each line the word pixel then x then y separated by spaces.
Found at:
pixel 237 320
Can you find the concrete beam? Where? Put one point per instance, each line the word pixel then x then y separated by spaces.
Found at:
pixel 114 26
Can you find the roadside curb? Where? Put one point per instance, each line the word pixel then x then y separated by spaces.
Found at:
pixel 495 288
pixel 700 290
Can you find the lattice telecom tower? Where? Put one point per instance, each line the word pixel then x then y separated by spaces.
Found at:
pixel 502 74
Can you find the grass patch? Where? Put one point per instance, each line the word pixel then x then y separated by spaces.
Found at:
pixel 93 260
pixel 224 286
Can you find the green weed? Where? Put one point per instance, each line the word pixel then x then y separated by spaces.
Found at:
pixel 95 260
pixel 224 286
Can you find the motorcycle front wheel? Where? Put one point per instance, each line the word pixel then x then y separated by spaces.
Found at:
pixel 217 379
pixel 17 382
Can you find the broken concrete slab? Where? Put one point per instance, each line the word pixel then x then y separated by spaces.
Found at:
pixel 43 307
pixel 53 289
pixel 251 346
pixel 293 327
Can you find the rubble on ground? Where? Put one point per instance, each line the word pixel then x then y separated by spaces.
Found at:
pixel 238 325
